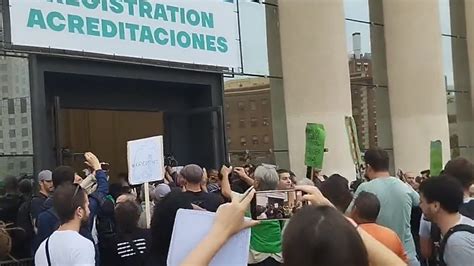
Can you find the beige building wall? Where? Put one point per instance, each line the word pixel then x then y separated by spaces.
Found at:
pixel 316 80
pixel 415 80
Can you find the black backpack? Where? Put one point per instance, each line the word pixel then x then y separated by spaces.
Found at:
pixel 24 219
pixel 105 222
pixel 444 241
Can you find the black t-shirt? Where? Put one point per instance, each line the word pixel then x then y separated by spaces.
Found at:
pixel 208 201
pixel 128 249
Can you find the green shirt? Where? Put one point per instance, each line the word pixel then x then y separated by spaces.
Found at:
pixel 266 237
pixel 396 201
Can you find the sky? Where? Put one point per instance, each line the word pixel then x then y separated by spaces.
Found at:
pixel 359 9
pixel 254 43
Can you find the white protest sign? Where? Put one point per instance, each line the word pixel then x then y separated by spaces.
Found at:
pixel 145 160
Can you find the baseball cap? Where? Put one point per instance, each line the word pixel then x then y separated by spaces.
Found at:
pixel 45 175
pixel 192 173
pixel 161 191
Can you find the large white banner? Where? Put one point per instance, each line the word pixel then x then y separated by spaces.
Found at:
pixel 190 31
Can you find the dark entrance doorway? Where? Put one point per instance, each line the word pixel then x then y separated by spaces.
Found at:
pixel 99 106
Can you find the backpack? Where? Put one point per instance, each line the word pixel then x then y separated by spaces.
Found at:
pixel 444 241
pixel 105 223
pixel 466 209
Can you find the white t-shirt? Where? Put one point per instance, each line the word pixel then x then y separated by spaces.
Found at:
pixel 66 248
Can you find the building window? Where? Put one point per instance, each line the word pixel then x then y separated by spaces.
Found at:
pixel 24 120
pixel 253 122
pixel 24 132
pixel 242 123
pixel 5 90
pixel 11 121
pixel 253 105
pixel 12 145
pixel 25 144
pixel 4 78
pixel 1 146
pixel 12 133
pixel 23 105
pixel 1 134
pixel 359 67
pixel 241 106
pixel 227 125
pixel 265 122
pixel 11 166
pixel 254 140
pixel 266 139
pixel 264 102
pixel 22 164
pixel 11 107
pixel 243 141
pixel 1 122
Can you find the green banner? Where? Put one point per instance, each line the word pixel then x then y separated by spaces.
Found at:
pixel 436 157
pixel 315 138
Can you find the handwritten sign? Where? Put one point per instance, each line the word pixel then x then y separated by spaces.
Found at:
pixel 315 139
pixel 145 160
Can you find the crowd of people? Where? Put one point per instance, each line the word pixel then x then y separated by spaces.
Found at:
pixel 383 220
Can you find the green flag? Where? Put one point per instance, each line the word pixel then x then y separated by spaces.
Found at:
pixel 436 157
pixel 315 138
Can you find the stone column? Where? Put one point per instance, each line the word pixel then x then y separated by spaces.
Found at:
pixel 316 80
pixel 415 81
pixel 468 44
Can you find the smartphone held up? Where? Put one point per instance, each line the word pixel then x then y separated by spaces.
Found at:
pixel 276 204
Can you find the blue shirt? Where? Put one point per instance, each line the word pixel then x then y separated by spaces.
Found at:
pixel 396 201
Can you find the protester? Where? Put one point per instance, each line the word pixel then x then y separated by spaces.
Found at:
pixel 193 174
pixel 66 246
pixel 213 184
pixel 308 226
pixel 265 240
pixel 329 239
pixel 285 181
pixel 25 188
pixel 411 180
pixel 364 213
pixel 10 202
pixel 46 188
pixel 441 198
pixel 396 199
pixel 126 197
pixel 336 189
pixel 131 244
pixel 162 224
pixel 48 221
pixel 28 213
pixel 158 193
pixel 430 236
pixel 242 178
